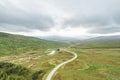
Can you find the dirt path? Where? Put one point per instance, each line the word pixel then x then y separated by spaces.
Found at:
pixel 50 75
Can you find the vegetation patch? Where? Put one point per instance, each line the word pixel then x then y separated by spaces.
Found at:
pixel 92 64
pixel 16 44
pixel 10 71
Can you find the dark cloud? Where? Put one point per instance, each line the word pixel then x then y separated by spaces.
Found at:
pixel 105 29
pixel 99 16
pixel 87 21
pixel 96 24
pixel 16 19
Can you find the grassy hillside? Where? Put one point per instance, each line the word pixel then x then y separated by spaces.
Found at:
pixel 92 64
pixel 16 44
pixel 98 59
pixel 100 42
pixel 10 71
pixel 37 65
pixel 26 58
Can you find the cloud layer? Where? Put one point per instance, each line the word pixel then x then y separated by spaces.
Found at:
pixel 45 16
pixel 17 15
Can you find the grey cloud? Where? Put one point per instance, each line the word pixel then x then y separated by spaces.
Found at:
pixel 99 16
pixel 13 28
pixel 16 19
pixel 87 21
pixel 96 24
pixel 105 29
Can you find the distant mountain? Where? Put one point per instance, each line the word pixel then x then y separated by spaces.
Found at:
pixel 104 38
pixel 100 42
pixel 61 39
pixel 16 44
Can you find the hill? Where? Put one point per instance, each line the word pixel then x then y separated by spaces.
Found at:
pixel 16 44
pixel 100 42
pixel 60 38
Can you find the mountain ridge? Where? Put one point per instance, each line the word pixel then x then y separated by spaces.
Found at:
pixel 16 44
pixel 100 42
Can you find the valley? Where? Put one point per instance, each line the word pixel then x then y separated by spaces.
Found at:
pixel 92 64
pixel 48 60
pixel 59 39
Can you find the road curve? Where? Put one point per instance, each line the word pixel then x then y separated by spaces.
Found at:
pixel 50 75
pixel 52 52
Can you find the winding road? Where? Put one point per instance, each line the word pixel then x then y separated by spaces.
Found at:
pixel 50 75
pixel 52 52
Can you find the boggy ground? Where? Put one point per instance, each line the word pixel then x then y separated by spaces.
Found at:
pixel 92 64
pixel 38 62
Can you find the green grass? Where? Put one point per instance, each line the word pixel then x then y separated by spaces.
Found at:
pixel 30 53
pixel 92 64
pixel 102 43
pixel 36 62
pixel 16 44
pixel 10 71
pixel 96 60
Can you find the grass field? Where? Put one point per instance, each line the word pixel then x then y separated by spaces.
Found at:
pixel 29 56
pixel 17 44
pixel 29 53
pixel 35 61
pixel 100 42
pixel 92 64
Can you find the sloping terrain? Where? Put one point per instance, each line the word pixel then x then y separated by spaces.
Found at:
pixel 98 59
pixel 22 56
pixel 100 42
pixel 16 44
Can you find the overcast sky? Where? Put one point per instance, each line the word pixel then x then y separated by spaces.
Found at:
pixel 65 18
